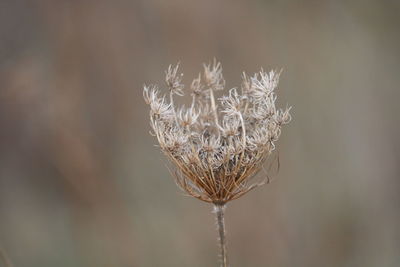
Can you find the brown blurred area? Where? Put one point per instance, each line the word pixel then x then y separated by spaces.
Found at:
pixel 82 184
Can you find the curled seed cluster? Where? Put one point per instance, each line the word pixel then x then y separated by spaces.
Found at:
pixel 217 145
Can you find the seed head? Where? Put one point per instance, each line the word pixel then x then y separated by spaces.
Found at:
pixel 174 80
pixel 217 146
pixel 213 75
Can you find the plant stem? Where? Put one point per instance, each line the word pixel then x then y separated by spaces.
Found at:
pixel 219 212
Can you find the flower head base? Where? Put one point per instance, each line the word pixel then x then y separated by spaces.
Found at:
pixel 217 146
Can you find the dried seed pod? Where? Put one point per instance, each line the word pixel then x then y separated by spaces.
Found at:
pixel 217 150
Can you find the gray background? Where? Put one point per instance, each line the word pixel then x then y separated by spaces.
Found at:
pixel 82 184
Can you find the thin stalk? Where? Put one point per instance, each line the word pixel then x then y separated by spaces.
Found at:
pixel 193 101
pixel 219 213
pixel 214 109
pixel 171 101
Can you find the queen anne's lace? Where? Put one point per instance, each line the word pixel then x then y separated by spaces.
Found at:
pixel 217 149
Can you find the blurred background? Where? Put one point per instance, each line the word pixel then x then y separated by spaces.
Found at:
pixel 82 183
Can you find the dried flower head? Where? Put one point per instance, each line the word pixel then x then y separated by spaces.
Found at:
pixel 218 146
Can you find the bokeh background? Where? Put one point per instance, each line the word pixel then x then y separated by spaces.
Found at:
pixel 82 183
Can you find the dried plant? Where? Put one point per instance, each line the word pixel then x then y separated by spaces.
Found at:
pixel 217 145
